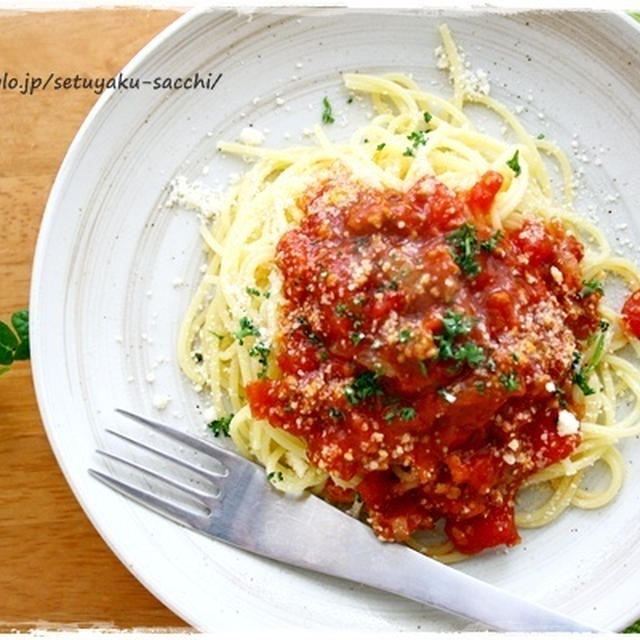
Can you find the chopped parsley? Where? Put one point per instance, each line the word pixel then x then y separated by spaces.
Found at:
pixel 261 351
pixel 364 385
pixel 356 338
pixel 404 413
pixel 427 117
pixel 510 381
pixel 480 387
pixel 454 324
pixel 407 413
pixel 590 287
pixel 540 136
pixel 197 356
pixel 220 427
pixel 335 413
pixel 381 146
pixel 252 291
pixel 514 163
pixel 247 328
pixel 327 114
pixel 490 244
pixel 469 353
pixel 404 336
pixel 417 138
pixel 581 374
pixel 308 331
pixel 464 244
pixel 275 476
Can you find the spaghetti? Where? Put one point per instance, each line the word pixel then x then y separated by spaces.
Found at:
pixel 259 337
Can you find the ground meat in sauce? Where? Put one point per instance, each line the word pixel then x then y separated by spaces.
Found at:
pixel 424 356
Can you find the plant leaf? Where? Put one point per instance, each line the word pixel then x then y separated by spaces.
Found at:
pixel 22 351
pixel 20 322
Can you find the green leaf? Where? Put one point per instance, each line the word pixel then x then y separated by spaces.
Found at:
pixel 8 344
pixel 4 370
pixel 20 322
pixel 22 351
pixel 635 627
pixel 7 337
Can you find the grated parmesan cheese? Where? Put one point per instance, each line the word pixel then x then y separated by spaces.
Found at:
pixel 568 424
pixel 251 136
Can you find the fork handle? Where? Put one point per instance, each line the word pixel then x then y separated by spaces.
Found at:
pixel 309 533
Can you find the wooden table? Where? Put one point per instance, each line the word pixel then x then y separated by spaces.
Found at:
pixel 55 570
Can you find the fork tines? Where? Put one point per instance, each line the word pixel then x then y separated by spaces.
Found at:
pixel 208 499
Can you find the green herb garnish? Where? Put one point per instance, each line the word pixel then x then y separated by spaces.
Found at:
pixel 327 114
pixel 464 244
pixel 454 324
pixel 364 385
pixel 261 351
pixel 510 381
pixel 220 427
pixel 590 287
pixel 247 328
pixel 490 244
pixel 514 163
pixel 407 413
pixel 469 353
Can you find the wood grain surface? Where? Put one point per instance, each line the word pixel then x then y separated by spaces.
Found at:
pixel 55 570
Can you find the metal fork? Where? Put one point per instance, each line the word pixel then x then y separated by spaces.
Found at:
pixel 245 510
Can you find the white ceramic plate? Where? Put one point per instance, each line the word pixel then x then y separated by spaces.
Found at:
pixel 105 310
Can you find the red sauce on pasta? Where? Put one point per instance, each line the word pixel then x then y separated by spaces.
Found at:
pixel 425 358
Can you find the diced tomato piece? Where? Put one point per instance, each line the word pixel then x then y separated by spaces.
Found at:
pixel 260 397
pixel 495 526
pixel 500 312
pixel 479 470
pixel 483 192
pixel 631 313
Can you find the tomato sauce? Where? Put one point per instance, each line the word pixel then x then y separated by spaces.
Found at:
pixel 631 313
pixel 425 357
